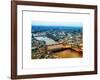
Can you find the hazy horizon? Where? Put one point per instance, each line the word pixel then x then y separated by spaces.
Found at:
pixel 54 24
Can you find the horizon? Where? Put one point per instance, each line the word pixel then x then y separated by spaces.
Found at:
pixel 58 24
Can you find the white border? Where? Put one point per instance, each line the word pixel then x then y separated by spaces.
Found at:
pixel 59 65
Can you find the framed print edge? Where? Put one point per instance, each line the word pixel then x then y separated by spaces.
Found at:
pixel 14 31
pixel 13 40
pixel 96 40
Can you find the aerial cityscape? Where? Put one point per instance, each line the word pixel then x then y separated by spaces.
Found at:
pixel 54 41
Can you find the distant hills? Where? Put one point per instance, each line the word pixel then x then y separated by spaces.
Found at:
pixel 56 28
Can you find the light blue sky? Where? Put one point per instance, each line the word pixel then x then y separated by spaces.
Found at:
pixel 65 24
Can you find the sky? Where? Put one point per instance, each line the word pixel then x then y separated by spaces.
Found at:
pixel 49 23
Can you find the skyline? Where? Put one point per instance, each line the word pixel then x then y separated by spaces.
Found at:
pixel 54 24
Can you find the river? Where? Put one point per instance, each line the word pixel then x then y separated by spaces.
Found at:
pixel 48 41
